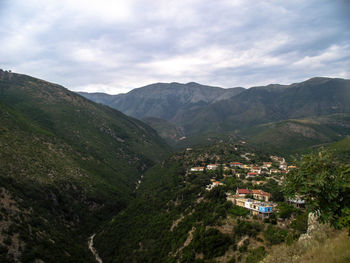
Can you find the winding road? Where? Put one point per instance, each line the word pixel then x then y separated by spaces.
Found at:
pixel 91 239
pixel 93 250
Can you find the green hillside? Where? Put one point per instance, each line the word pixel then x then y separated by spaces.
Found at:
pixel 66 165
pixel 299 135
pixel 175 219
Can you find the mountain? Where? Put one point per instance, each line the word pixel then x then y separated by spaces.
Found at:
pixel 195 112
pixel 66 165
pixel 258 105
pixel 163 100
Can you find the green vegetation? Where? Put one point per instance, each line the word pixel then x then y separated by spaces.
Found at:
pixel 256 255
pixel 325 185
pixel 212 243
pixel 69 167
pixel 299 135
pixel 325 245
pixel 247 228
pixel 66 165
pixel 275 235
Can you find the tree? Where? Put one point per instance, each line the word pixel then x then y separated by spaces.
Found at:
pixel 325 185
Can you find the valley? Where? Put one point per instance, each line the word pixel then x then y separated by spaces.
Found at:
pixel 82 182
pixel 174 131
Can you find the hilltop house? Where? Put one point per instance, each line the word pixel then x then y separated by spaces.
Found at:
pixel 261 195
pixel 197 169
pixel 255 169
pixel 267 164
pixel 242 192
pixel 236 164
pixel 298 202
pixel 263 209
pixel 251 174
pixel 213 185
pixel 212 167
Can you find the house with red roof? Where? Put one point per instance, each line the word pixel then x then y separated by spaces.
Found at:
pixel 261 195
pixel 267 164
pixel 242 192
pixel 252 174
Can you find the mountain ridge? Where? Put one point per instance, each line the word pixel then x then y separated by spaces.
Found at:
pixel 244 110
pixel 163 100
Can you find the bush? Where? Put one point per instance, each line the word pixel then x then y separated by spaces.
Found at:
pixel 285 210
pixel 244 247
pixel 256 255
pixel 324 184
pixel 212 243
pixel 247 228
pixel 275 235
pixel 300 223
pixel 238 211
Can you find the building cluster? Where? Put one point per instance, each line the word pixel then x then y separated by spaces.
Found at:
pixel 256 201
pixel 278 165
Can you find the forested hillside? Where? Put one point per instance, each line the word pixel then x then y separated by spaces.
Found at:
pixel 66 164
pixel 177 218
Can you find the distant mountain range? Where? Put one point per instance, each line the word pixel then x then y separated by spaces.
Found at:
pixel 164 100
pixel 192 110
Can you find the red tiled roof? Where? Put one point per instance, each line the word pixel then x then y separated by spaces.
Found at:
pixel 260 192
pixel 243 191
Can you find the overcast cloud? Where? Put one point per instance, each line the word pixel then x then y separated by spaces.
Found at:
pixel 114 46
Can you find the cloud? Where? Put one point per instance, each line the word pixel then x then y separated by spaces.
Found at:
pixel 114 46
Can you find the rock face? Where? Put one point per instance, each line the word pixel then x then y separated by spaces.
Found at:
pixel 313 227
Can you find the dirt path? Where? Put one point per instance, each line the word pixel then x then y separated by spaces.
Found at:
pixel 93 250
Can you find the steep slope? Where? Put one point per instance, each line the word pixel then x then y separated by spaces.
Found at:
pixel 168 131
pixel 66 164
pixel 175 219
pixel 163 100
pixel 291 136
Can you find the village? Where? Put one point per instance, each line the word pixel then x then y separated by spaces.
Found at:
pixel 256 201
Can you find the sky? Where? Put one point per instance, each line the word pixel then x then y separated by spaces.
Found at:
pixel 114 46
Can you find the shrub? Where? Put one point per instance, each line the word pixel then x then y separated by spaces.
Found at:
pixel 238 211
pixel 256 255
pixel 300 222
pixel 247 228
pixel 212 243
pixel 285 210
pixel 275 235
